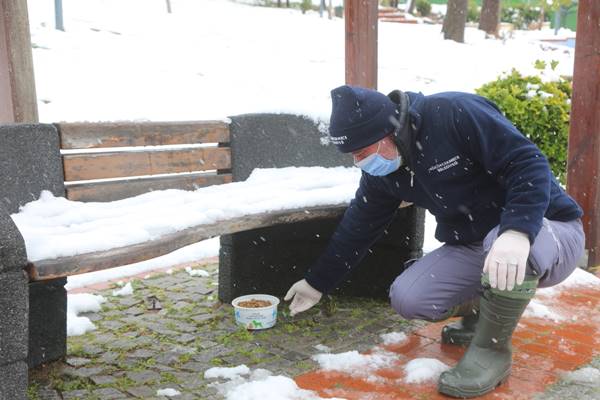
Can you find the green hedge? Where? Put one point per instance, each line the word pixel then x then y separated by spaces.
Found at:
pixel 540 110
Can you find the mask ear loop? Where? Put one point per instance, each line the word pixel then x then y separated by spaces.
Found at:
pixel 376 152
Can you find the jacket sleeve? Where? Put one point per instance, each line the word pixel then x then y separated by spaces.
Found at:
pixel 514 161
pixel 365 220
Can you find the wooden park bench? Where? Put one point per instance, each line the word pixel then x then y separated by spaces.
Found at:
pixel 112 161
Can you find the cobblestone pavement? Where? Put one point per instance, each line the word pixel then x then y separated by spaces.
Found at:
pixel 134 352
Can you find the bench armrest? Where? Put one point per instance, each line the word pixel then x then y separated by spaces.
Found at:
pixel 13 255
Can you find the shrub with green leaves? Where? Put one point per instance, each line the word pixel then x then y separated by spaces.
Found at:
pixel 423 7
pixel 306 5
pixel 540 110
pixel 473 12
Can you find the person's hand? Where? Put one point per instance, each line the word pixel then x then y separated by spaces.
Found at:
pixel 304 295
pixel 507 260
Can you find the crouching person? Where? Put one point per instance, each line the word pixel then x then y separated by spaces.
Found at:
pixel 506 224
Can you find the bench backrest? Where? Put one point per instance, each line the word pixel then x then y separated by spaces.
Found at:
pixel 112 161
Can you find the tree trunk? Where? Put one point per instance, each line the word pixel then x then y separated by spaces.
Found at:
pixel 490 17
pixel 410 6
pixel 455 20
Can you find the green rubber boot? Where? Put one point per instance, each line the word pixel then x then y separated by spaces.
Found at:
pixel 461 332
pixel 487 361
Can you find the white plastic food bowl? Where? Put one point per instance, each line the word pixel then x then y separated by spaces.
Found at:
pixel 256 318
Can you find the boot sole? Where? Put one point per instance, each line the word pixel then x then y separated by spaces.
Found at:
pixel 466 394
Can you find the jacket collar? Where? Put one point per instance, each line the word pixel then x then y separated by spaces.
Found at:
pixel 409 118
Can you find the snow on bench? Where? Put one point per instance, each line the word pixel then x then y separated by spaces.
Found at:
pixel 65 237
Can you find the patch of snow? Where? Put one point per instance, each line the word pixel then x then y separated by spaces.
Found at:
pixel 81 303
pixel 393 337
pixel 126 290
pixel 537 309
pixel 352 362
pixel 196 272
pixel 194 252
pixel 423 369
pixel 259 385
pixel 322 348
pixel 168 392
pixel 579 277
pixel 226 372
pixel 583 375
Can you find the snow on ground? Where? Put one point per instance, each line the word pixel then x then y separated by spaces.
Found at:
pixel 126 290
pixel 80 303
pixel 420 370
pixel 196 272
pixel 191 253
pixel 546 298
pixel 168 392
pixel 260 384
pixel 393 338
pixel 216 58
pixel 354 363
pixel 584 375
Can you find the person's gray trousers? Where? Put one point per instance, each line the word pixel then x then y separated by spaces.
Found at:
pixel 451 275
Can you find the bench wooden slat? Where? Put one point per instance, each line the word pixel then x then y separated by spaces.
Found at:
pixel 119 134
pixel 79 167
pixel 60 267
pixel 111 191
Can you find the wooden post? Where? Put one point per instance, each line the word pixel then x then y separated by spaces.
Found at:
pixel 584 139
pixel 17 86
pixel 361 42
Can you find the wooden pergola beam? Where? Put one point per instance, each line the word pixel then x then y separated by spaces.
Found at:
pixel 584 137
pixel 361 42
pixel 17 85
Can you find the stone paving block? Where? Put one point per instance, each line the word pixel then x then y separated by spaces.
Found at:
pixel 123 345
pixel 75 394
pixel 112 325
pixel 109 394
pixel 135 311
pixel 77 361
pixel 91 349
pixel 103 379
pixel 141 392
pixel 129 301
pixel 185 338
pixel 140 377
pixel 83 372
pixel 108 358
pixel 143 353
pixel 202 318
pixel 295 356
pixel 46 393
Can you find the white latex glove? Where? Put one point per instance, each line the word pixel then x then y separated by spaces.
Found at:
pixel 507 260
pixel 305 296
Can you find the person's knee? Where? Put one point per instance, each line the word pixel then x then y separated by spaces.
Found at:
pixel 408 304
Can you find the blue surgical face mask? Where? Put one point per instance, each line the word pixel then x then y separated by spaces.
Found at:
pixel 377 165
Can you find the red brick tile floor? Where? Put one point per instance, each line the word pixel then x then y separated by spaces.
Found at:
pixel 543 350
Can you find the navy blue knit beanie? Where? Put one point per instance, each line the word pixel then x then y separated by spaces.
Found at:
pixel 359 117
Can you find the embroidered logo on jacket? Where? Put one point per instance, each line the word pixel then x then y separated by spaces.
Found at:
pixel 441 167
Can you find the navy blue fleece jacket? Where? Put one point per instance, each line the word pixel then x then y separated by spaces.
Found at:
pixel 468 165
